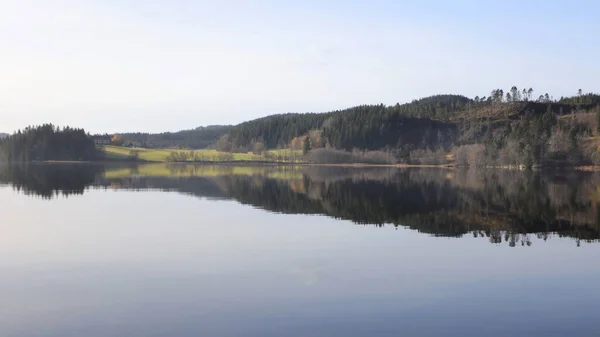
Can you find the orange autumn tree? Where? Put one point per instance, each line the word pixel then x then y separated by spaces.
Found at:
pixel 116 140
pixel 315 137
pixel 296 143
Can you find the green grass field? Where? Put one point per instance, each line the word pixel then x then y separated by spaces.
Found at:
pixel 162 155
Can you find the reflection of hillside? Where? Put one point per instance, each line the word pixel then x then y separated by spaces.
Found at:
pixel 524 200
pixel 501 205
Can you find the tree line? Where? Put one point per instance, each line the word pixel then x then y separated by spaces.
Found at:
pixel 47 142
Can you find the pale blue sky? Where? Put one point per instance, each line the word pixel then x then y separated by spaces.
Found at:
pixel 118 65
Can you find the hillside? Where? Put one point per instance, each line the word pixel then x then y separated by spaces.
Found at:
pixel 515 110
pixel 378 126
pixel 368 127
pixel 487 131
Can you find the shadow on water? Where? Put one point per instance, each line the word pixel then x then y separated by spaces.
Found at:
pixel 500 205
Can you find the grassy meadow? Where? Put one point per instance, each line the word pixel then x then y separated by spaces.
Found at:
pixel 163 155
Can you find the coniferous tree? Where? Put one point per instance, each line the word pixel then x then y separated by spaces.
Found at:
pixel 306 145
pixel 515 93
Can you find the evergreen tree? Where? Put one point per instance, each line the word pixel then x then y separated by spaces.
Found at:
pixel 306 145
pixel 515 93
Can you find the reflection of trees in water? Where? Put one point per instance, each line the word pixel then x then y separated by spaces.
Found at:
pixel 527 202
pixel 49 181
pixel 502 206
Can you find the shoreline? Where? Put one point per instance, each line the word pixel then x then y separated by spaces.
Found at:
pixel 237 163
pixel 580 168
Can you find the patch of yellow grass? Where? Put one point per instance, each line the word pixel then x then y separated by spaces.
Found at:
pixel 161 155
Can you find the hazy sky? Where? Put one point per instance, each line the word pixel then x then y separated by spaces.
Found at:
pixel 157 65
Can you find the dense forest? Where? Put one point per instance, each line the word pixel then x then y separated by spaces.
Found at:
pixel 274 131
pixel 504 128
pixel 366 127
pixel 47 142
pixel 198 138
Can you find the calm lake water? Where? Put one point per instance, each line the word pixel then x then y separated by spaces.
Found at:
pixel 160 250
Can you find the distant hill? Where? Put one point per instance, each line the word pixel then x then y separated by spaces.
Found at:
pixel 415 124
pixel 3 135
pixel 198 138
pixel 365 127
pixel 502 129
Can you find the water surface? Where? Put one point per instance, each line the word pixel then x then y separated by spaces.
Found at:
pixel 170 250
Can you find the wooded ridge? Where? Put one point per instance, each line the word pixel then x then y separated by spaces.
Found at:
pixel 498 130
pixel 501 129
